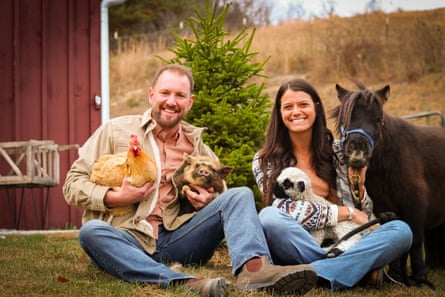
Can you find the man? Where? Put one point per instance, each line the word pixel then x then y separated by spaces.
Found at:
pixel 135 246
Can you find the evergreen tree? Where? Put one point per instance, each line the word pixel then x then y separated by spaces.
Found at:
pixel 226 101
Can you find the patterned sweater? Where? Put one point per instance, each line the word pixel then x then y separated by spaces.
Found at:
pixel 313 216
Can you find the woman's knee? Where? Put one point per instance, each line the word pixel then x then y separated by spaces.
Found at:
pixel 269 213
pixel 404 231
pixel 271 219
pixel 401 233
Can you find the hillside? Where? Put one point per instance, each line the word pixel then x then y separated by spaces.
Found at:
pixel 405 50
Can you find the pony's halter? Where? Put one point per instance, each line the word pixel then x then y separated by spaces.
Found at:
pixel 345 133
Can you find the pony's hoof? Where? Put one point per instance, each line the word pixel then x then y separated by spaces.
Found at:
pixel 420 282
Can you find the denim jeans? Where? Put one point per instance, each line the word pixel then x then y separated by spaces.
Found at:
pixel 232 216
pixel 290 244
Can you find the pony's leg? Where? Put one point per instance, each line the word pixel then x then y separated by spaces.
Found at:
pixel 418 267
pixel 435 247
pixel 418 264
pixel 398 271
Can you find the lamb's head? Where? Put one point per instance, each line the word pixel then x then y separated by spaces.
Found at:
pixel 292 183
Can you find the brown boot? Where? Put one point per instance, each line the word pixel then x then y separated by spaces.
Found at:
pixel 295 279
pixel 214 287
pixel 373 279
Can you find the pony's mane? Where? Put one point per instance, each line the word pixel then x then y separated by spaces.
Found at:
pixel 342 113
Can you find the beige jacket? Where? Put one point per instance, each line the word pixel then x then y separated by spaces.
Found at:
pixel 111 138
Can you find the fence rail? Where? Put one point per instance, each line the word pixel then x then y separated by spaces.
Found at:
pixel 427 115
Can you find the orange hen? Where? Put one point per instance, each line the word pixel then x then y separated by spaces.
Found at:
pixel 137 165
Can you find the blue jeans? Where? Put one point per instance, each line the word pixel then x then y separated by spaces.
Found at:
pixel 232 216
pixel 291 244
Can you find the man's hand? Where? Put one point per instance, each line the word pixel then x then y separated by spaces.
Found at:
pixel 127 194
pixel 200 197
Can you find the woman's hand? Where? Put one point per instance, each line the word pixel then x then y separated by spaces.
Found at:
pixel 359 217
pixel 200 197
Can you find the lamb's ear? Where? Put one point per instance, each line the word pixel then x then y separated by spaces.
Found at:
pixel 224 171
pixel 341 92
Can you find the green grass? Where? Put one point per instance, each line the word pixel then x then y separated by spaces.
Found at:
pixel 55 265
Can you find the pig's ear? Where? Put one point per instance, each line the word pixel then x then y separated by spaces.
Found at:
pixel 224 171
pixel 188 158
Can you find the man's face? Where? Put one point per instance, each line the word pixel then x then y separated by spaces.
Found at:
pixel 170 98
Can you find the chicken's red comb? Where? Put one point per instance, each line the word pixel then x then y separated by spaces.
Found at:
pixel 134 138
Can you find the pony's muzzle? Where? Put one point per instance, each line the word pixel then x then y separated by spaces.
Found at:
pixel 358 151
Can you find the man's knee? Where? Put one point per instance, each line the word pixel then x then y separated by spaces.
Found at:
pixel 239 195
pixel 90 230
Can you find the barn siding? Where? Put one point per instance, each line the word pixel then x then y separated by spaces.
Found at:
pixel 6 69
pixel 49 75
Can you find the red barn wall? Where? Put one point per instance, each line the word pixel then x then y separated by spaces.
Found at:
pixel 49 75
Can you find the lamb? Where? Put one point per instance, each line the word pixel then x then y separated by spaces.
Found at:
pixel 293 183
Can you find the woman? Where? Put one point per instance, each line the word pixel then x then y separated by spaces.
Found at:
pixel 298 136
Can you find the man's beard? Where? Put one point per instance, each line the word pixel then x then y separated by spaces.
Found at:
pixel 166 123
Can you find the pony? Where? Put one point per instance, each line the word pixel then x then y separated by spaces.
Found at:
pixel 406 168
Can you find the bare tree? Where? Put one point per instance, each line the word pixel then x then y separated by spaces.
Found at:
pixel 372 6
pixel 328 8
pixel 295 10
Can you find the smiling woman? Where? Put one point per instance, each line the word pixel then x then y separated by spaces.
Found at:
pixel 298 126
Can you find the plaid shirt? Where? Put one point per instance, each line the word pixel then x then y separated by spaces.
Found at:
pixel 311 215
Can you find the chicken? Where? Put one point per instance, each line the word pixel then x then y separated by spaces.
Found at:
pixel 137 165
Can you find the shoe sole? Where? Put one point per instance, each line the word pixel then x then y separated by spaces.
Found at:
pixel 295 282
pixel 299 282
pixel 219 288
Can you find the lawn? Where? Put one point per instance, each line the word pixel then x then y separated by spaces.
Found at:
pixel 55 265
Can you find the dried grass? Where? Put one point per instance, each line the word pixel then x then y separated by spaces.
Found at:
pixel 400 49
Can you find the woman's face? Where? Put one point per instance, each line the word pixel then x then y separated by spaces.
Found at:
pixel 297 111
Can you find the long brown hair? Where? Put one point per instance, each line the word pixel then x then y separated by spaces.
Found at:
pixel 277 148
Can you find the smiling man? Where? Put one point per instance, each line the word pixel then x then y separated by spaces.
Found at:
pixel 138 246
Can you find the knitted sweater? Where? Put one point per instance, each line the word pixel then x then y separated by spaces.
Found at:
pixel 313 216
